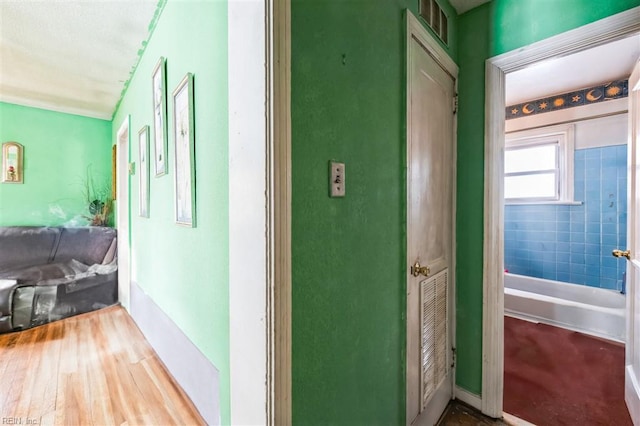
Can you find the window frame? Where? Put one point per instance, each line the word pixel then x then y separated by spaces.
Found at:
pixel 564 138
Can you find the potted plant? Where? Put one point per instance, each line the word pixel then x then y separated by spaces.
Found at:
pixel 98 196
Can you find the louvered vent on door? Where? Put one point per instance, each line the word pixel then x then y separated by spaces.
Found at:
pixel 433 348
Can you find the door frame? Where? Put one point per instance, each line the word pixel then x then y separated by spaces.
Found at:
pixel 632 387
pixel 123 211
pixel 260 211
pixel 597 33
pixel 279 212
pixel 416 30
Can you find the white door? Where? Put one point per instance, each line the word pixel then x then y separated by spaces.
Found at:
pixel 632 359
pixel 122 212
pixel 430 177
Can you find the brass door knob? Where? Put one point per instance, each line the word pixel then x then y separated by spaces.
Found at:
pixel 621 253
pixel 417 270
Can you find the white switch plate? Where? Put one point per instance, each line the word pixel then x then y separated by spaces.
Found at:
pixel 336 179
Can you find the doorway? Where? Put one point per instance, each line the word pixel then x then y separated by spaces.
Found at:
pixel 122 212
pixel 605 31
pixel 431 82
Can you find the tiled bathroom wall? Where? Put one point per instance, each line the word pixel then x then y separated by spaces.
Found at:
pixel 573 243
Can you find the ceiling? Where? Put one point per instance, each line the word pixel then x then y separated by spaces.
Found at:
pixel 77 56
pixel 461 6
pixel 602 64
pixel 71 56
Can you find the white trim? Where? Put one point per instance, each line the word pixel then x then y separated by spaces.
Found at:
pixel 467 397
pixel 123 204
pixel 193 371
pixel 632 390
pixel 632 387
pixel 557 203
pixel 248 212
pixel 598 33
pixel 415 30
pixel 493 247
pixel 279 174
pixel 260 169
pixel 512 420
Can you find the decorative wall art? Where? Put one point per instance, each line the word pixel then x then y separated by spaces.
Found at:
pixel 184 143
pixel 12 163
pixel 160 143
pixel 114 170
pixel 143 160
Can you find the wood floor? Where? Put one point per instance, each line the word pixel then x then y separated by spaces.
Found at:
pixel 460 414
pixel 92 369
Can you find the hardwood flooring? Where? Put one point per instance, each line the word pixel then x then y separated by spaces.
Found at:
pixel 460 414
pixel 92 369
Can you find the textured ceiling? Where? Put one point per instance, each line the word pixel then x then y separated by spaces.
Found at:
pixel 606 63
pixel 75 56
pixel 72 56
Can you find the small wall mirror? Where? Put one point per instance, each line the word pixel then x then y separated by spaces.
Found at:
pixel 12 168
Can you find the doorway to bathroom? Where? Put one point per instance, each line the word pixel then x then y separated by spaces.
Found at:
pixel 565 194
pixel 528 240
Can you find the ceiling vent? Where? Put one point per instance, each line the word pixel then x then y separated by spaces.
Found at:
pixel 433 15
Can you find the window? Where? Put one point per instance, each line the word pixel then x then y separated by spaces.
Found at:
pixel 538 166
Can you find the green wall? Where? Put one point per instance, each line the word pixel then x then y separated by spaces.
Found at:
pixel 348 255
pixel 489 30
pixel 58 148
pixel 517 23
pixel 185 270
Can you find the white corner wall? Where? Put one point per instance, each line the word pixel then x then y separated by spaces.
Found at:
pixel 603 131
pixel 248 211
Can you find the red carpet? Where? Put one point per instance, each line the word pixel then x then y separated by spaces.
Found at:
pixel 554 376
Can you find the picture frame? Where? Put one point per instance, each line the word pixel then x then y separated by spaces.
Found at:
pixel 143 160
pixel 114 171
pixel 184 155
pixel 160 139
pixel 12 162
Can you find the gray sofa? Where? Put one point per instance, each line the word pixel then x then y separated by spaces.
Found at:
pixel 49 273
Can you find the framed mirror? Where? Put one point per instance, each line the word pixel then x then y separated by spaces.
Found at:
pixel 12 162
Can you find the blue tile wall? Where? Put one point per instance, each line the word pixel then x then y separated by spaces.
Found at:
pixel 573 243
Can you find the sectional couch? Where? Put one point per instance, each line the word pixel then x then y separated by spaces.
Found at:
pixel 49 273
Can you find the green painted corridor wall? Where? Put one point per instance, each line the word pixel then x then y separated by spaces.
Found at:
pixel 486 31
pixel 348 289
pixel 185 270
pixel 58 149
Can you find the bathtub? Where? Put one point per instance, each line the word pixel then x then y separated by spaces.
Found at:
pixel 589 310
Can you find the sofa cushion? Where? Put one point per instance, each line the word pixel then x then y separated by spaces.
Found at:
pixel 47 272
pixel 6 293
pixel 87 245
pixel 23 246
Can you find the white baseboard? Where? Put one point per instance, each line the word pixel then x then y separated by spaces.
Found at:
pixel 468 398
pixel 512 420
pixel 476 402
pixel 197 376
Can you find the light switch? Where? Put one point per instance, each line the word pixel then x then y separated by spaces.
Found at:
pixel 336 179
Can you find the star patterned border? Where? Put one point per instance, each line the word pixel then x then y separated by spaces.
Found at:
pixel 591 95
